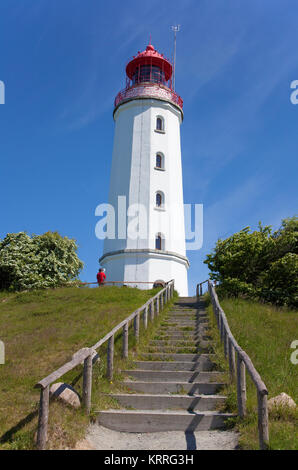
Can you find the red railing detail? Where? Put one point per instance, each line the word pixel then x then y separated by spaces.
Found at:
pixel 152 90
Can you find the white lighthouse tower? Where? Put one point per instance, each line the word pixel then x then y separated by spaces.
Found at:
pixel 146 179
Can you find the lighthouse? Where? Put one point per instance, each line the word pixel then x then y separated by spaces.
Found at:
pixel 146 188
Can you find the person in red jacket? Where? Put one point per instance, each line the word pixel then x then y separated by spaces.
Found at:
pixel 101 277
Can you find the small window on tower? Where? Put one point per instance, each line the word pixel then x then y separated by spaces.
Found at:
pixel 159 124
pixel 159 164
pixel 158 242
pixel 159 199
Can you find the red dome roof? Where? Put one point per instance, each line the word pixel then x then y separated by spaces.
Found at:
pixel 149 57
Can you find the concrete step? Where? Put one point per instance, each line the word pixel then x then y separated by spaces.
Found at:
pixel 180 340
pixel 178 336
pixel 158 420
pixel 174 357
pixel 203 347
pixel 170 402
pixel 176 327
pixel 176 349
pixel 191 315
pixel 180 327
pixel 180 322
pixel 173 375
pixel 174 387
pixel 183 309
pixel 169 342
pixel 203 364
pixel 183 317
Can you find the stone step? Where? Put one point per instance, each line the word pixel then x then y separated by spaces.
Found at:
pixel 180 340
pixel 165 342
pixel 173 375
pixel 175 331
pixel 158 420
pixel 203 364
pixel 204 347
pixel 173 326
pixel 186 313
pixel 174 357
pixel 177 308
pixel 188 335
pixel 178 336
pixel 181 322
pixel 174 387
pixel 183 317
pixel 170 402
pixel 171 349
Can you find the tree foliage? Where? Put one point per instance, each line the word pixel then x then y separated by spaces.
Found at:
pixel 37 261
pixel 258 264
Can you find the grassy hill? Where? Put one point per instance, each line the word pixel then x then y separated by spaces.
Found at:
pixel 265 333
pixel 41 330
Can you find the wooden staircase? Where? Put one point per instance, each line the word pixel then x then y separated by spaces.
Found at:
pixel 175 387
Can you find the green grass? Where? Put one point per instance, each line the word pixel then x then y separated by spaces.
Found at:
pixel 41 330
pixel 265 333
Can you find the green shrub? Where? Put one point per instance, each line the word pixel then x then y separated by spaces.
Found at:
pixel 39 261
pixel 260 265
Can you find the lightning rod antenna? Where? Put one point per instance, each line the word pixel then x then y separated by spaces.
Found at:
pixel 176 29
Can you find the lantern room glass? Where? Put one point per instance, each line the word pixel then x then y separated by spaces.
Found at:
pixel 148 73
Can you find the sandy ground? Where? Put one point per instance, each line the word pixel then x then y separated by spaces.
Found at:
pixel 101 438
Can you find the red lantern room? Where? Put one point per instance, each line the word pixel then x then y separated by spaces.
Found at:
pixel 149 66
pixel 149 74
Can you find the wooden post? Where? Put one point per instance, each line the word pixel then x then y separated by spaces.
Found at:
pixel 157 305
pixel 110 358
pixel 42 431
pixel 221 327
pixel 145 317
pixel 136 325
pixel 225 339
pixel 152 310
pixel 125 341
pixel 161 301
pixel 201 289
pixel 218 316
pixel 232 360
pixel 263 421
pixel 241 387
pixel 87 383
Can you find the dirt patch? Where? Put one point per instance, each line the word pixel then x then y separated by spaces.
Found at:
pixel 102 438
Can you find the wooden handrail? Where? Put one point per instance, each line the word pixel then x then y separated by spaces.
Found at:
pixel 154 304
pixel 243 362
pixel 200 288
pixel 80 356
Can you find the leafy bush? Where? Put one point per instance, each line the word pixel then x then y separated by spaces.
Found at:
pixel 39 261
pixel 261 264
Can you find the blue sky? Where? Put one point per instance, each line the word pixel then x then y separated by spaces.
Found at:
pixel 63 62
